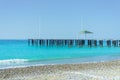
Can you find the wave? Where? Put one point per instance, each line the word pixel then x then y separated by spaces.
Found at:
pixel 13 61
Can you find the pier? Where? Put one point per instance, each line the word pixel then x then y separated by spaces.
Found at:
pixel 73 42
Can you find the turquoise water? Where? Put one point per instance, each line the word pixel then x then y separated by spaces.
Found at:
pixel 17 52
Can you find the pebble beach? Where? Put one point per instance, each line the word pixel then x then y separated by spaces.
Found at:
pixel 88 71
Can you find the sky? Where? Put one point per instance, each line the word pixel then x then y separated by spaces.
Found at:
pixel 59 19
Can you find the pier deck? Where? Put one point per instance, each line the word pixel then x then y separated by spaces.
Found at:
pixel 73 42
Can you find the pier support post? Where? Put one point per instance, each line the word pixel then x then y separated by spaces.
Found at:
pixel 95 43
pixel 101 43
pixel 29 42
pixel 109 43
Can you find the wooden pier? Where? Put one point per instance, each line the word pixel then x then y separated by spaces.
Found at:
pixel 74 42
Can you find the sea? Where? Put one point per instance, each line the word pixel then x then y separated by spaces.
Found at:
pixel 17 53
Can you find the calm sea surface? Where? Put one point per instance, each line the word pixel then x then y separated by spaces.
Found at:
pixel 16 53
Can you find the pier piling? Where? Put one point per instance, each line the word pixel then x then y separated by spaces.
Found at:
pixel 73 42
pixel 101 43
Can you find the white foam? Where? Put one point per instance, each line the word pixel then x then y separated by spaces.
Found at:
pixel 12 61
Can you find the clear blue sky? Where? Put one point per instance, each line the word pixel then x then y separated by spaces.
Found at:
pixel 23 19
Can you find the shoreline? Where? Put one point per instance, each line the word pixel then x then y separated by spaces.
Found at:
pixel 109 70
pixel 21 63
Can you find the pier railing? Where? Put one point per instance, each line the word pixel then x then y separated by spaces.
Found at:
pixel 73 42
